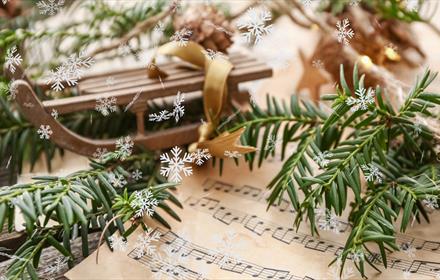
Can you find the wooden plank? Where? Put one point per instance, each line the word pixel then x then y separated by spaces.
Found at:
pixel 143 80
pixel 124 96
pixel 170 68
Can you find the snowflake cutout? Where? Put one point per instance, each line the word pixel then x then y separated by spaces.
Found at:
pixel 431 202
pixel 329 222
pixel 69 71
pixel 56 267
pixel 161 116
pixel 272 142
pixel 334 271
pixel 254 24
pixel 177 113
pixel 200 156
pixel 117 180
pixel 51 7
pixel 144 203
pixel 228 245
pixel 144 244
pixel 322 158
pixel 159 27
pixel 412 5
pixel 106 105
pixel 354 3
pixel 124 49
pixel 408 249
pixel 344 32
pixel 364 99
pixel 176 165
pixel 10 90
pixel 232 154
pixel 306 3
pixel 54 114
pixel 100 153
pixel 318 64
pixel 110 81
pixel 124 147
pixel 118 243
pixel 45 131
pixel 181 37
pixel 211 54
pixel 13 59
pixel 136 175
pixel 357 255
pixel 372 173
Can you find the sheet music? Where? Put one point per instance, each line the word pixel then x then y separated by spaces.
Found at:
pixel 265 244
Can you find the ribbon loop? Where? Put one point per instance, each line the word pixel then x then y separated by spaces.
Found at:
pixel 215 91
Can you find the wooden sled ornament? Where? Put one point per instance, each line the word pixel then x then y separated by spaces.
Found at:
pixel 129 84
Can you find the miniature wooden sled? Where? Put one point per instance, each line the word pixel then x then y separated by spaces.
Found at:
pixel 129 84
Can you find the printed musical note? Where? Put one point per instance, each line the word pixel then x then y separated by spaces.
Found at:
pixel 287 235
pixel 257 194
pixel 177 271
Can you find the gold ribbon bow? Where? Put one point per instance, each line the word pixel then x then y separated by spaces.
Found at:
pixel 215 93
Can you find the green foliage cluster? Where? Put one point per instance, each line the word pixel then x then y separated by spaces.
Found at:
pixel 389 140
pixel 54 208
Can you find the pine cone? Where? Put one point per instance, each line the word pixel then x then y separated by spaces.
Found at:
pixel 208 25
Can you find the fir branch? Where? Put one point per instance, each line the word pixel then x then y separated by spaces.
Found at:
pixel 52 206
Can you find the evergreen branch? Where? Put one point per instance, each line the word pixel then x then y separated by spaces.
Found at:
pixel 86 199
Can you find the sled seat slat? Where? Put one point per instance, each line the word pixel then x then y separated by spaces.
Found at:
pixel 151 90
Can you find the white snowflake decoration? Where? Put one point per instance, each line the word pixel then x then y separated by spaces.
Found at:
pixel 54 113
pixel 232 154
pixel 357 255
pixel 106 105
pixel 110 81
pixel 254 24
pixel 159 27
pixel 161 116
pixel 51 7
pixel 318 64
pixel 329 222
pixel 4 3
pixel 117 180
pixel 334 271
pixel 408 249
pixel 354 3
pixel 412 5
pixel 364 99
pixel 118 243
pixel 177 113
pixel 144 244
pixel 181 37
pixel 344 32
pixel 136 175
pixel 372 173
pixel 45 131
pixel 13 59
pixel 57 266
pixel 10 90
pixel 69 71
pixel 124 147
pixel 431 202
pixel 200 156
pixel 306 3
pixel 99 153
pixel 211 54
pixel 124 49
pixel 179 109
pixel 272 142
pixel 176 165
pixel 322 158
pixel 144 203
pixel 406 273
pixel 228 245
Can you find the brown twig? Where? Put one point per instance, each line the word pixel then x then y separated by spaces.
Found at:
pixel 283 7
pixel 103 232
pixel 136 31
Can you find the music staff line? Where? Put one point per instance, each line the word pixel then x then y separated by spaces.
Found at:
pixel 288 235
pixel 188 249
pixel 256 194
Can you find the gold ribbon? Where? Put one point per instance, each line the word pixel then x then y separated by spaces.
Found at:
pixel 215 93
